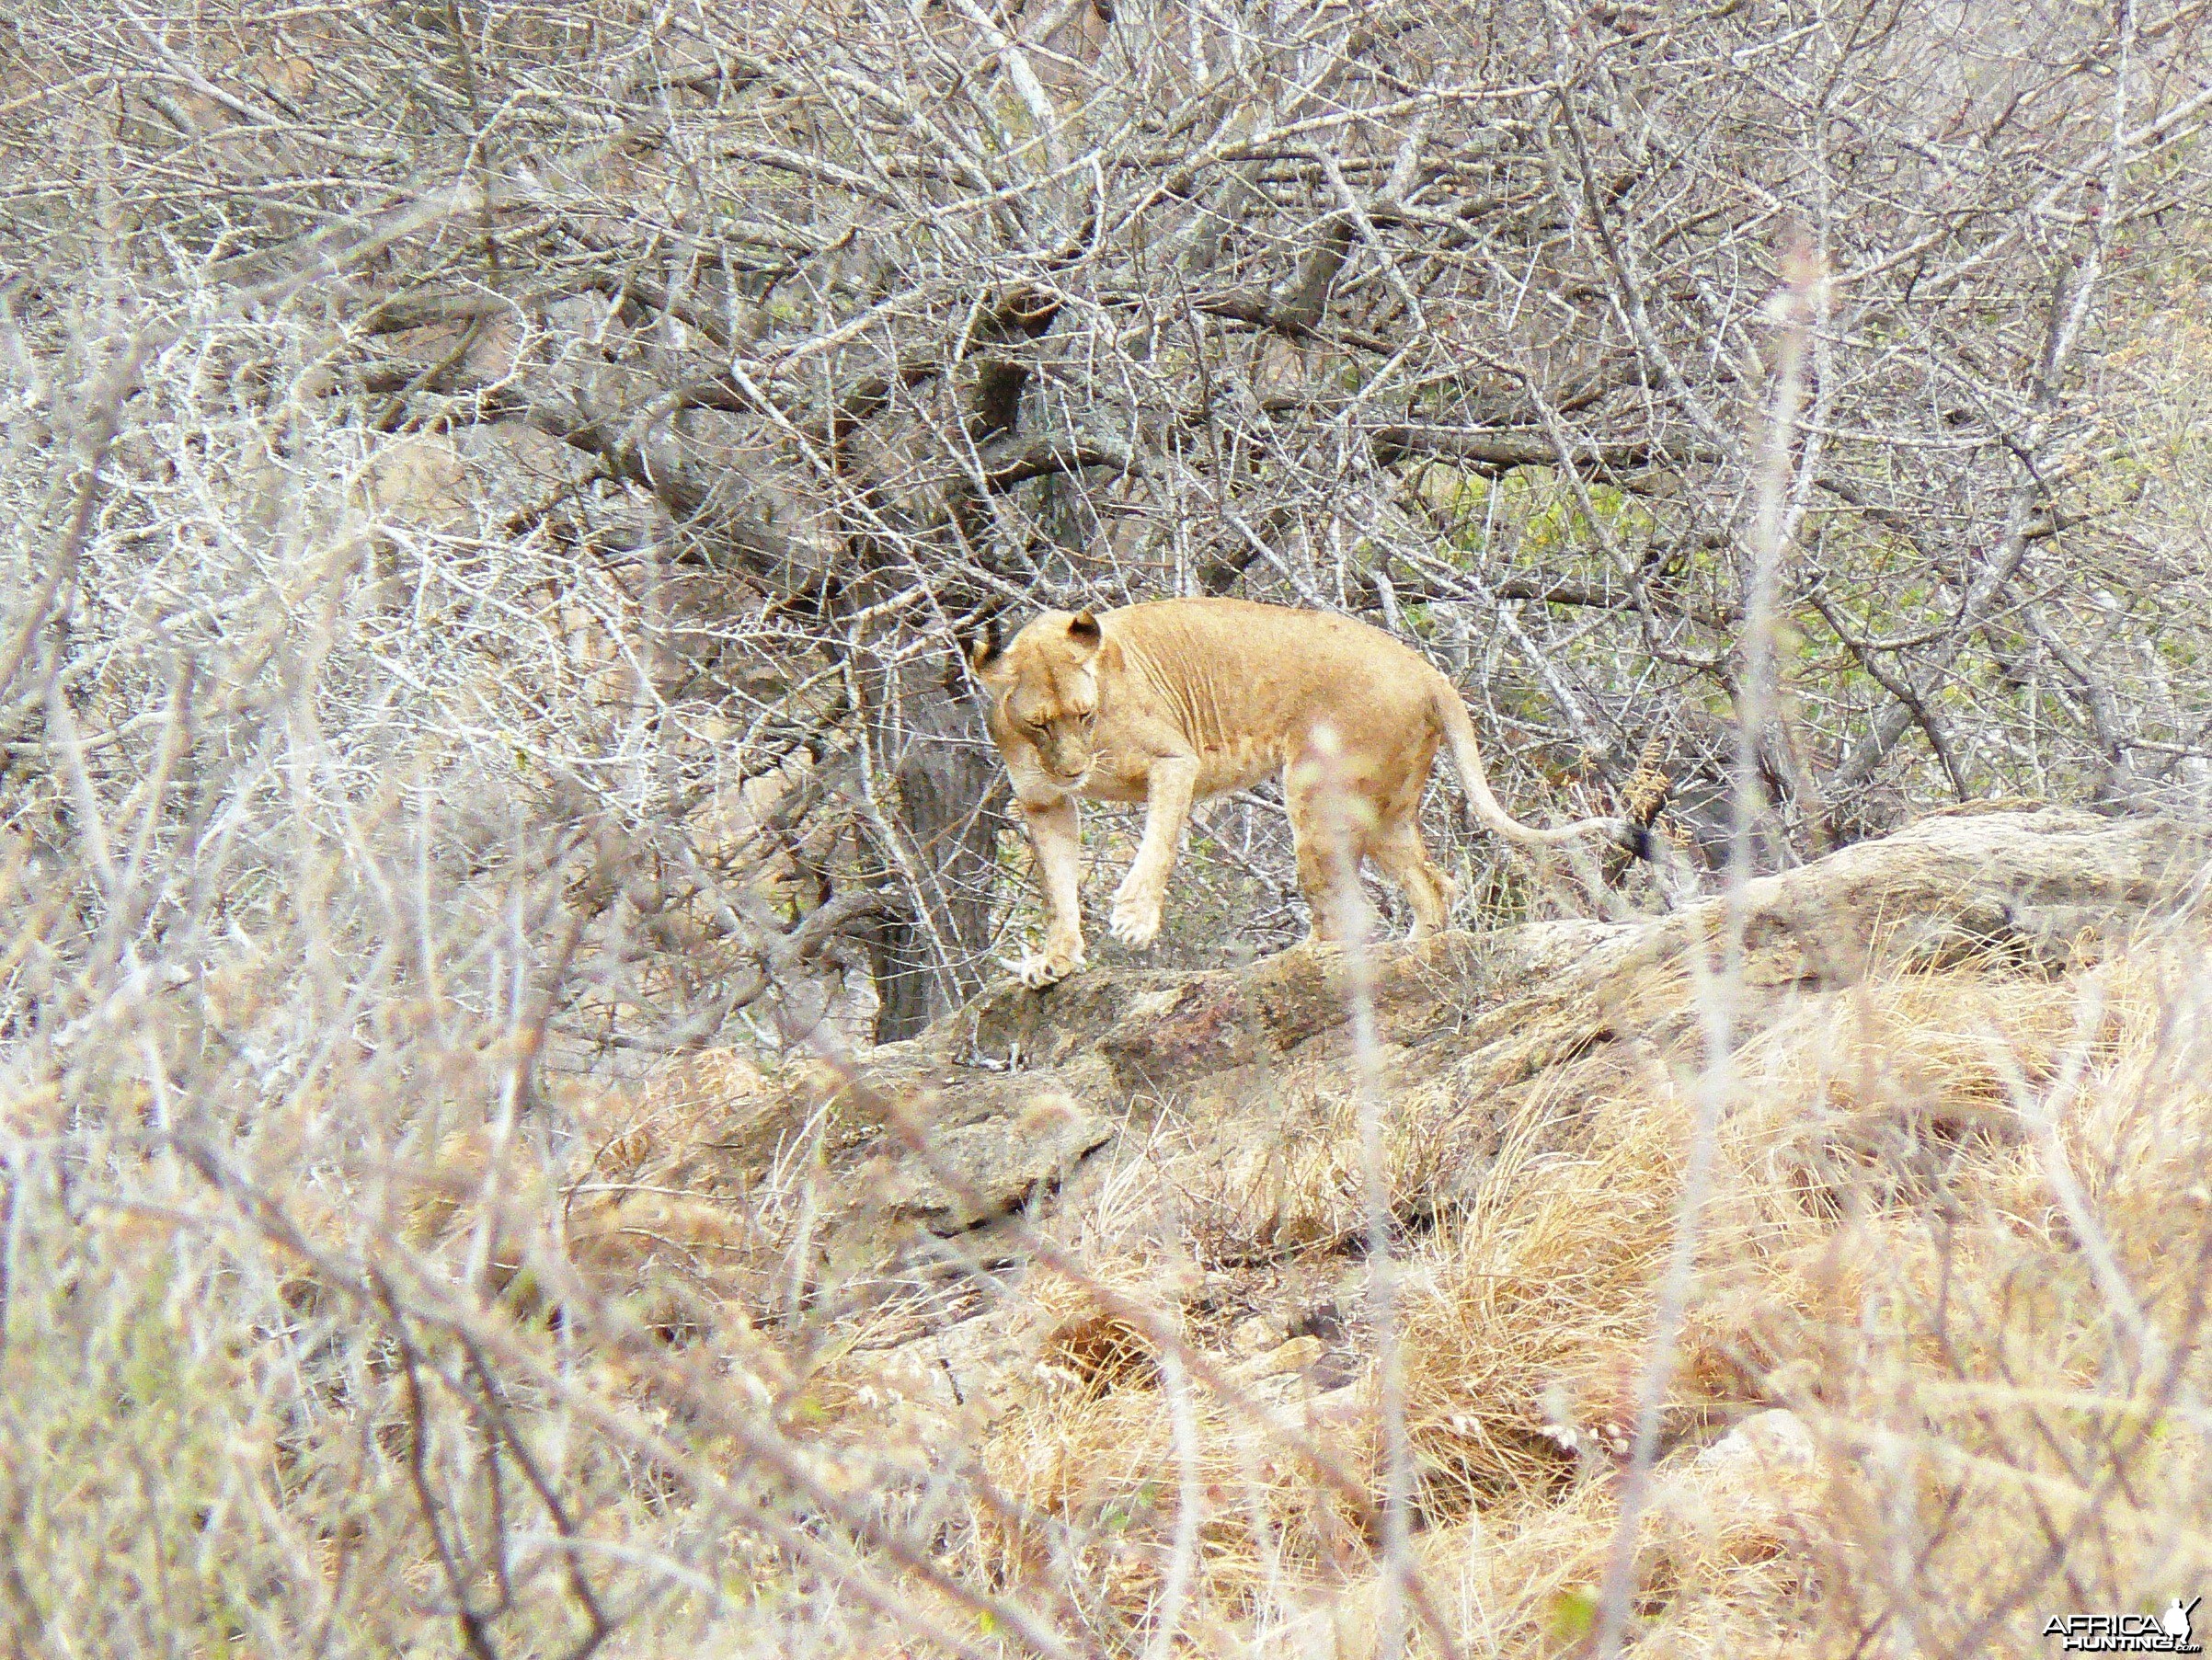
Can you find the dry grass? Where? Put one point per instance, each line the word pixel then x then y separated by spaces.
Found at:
pixel 2001 1391
pixel 647 1368
pixel 1884 1256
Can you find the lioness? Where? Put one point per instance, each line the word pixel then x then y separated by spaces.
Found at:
pixel 1174 701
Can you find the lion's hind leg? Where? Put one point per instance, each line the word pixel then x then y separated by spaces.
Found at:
pixel 1399 853
pixel 1320 825
pixel 1316 839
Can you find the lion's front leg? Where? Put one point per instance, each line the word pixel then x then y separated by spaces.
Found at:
pixel 1169 788
pixel 1055 837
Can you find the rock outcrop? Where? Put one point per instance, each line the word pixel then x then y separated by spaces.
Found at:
pixel 1020 1087
pixel 990 1111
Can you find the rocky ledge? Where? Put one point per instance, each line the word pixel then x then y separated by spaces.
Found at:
pixel 995 1108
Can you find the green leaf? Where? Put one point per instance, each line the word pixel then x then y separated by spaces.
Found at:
pixel 1573 1613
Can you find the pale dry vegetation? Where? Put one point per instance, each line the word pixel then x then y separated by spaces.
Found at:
pixel 490 494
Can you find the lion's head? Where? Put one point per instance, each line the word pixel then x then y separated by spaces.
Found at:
pixel 1044 692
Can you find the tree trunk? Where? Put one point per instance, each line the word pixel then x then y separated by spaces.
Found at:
pixel 946 810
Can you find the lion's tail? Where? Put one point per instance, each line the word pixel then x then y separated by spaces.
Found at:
pixel 1459 731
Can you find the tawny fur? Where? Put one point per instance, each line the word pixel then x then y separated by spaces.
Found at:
pixel 1171 702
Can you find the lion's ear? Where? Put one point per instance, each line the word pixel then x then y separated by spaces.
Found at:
pixel 1082 628
pixel 983 648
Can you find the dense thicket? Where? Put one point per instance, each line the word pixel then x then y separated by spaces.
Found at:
pixel 854 325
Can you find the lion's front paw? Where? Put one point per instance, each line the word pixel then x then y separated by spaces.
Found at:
pixel 1136 918
pixel 1048 967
